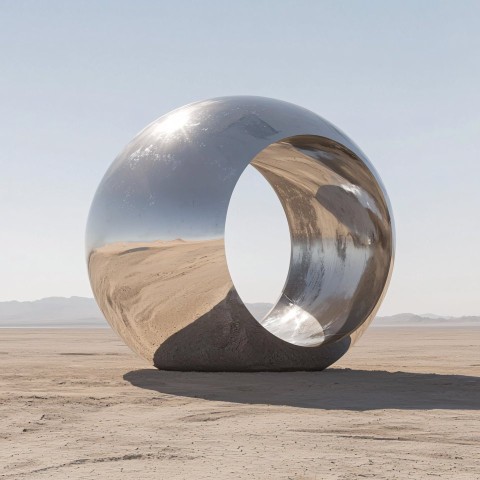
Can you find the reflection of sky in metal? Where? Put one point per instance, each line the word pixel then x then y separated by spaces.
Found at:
pixel 72 98
pixel 295 326
pixel 176 178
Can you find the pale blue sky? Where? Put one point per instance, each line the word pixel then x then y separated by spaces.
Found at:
pixel 79 79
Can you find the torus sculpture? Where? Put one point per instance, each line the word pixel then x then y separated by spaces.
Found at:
pixel 155 238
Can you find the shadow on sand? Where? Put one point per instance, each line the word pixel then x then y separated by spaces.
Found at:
pixel 334 389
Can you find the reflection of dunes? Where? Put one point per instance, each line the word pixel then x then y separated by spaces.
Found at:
pixel 143 288
pixel 341 239
pixel 174 303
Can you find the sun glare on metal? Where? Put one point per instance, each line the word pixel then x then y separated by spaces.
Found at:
pixel 156 239
pixel 174 125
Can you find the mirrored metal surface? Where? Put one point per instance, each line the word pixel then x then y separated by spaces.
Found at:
pixel 155 238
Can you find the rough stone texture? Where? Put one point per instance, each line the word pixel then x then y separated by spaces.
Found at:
pixel 219 341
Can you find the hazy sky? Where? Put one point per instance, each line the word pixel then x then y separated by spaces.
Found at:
pixel 79 79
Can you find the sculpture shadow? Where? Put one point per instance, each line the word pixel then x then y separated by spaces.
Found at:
pixel 333 389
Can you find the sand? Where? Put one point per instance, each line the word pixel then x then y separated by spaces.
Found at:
pixel 402 404
pixel 150 291
pixel 174 304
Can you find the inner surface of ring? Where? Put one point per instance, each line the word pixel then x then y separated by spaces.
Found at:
pixel 340 235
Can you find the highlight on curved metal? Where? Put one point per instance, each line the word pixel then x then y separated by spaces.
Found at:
pixel 155 238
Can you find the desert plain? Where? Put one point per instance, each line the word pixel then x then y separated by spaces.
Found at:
pixel 404 403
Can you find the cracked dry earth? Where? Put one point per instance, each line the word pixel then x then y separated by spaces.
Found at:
pixel 402 404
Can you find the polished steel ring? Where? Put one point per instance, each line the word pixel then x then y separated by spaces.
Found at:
pixel 155 238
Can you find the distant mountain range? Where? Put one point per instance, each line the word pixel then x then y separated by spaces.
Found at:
pixel 52 312
pixel 81 312
pixel 426 320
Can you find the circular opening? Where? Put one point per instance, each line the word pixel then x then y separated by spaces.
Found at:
pixel 341 241
pixel 257 243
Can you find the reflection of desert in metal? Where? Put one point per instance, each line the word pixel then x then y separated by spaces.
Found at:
pixel 176 329
pixel 341 240
pixel 174 302
pixel 145 282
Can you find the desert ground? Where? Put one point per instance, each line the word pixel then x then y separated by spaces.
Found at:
pixel 402 404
